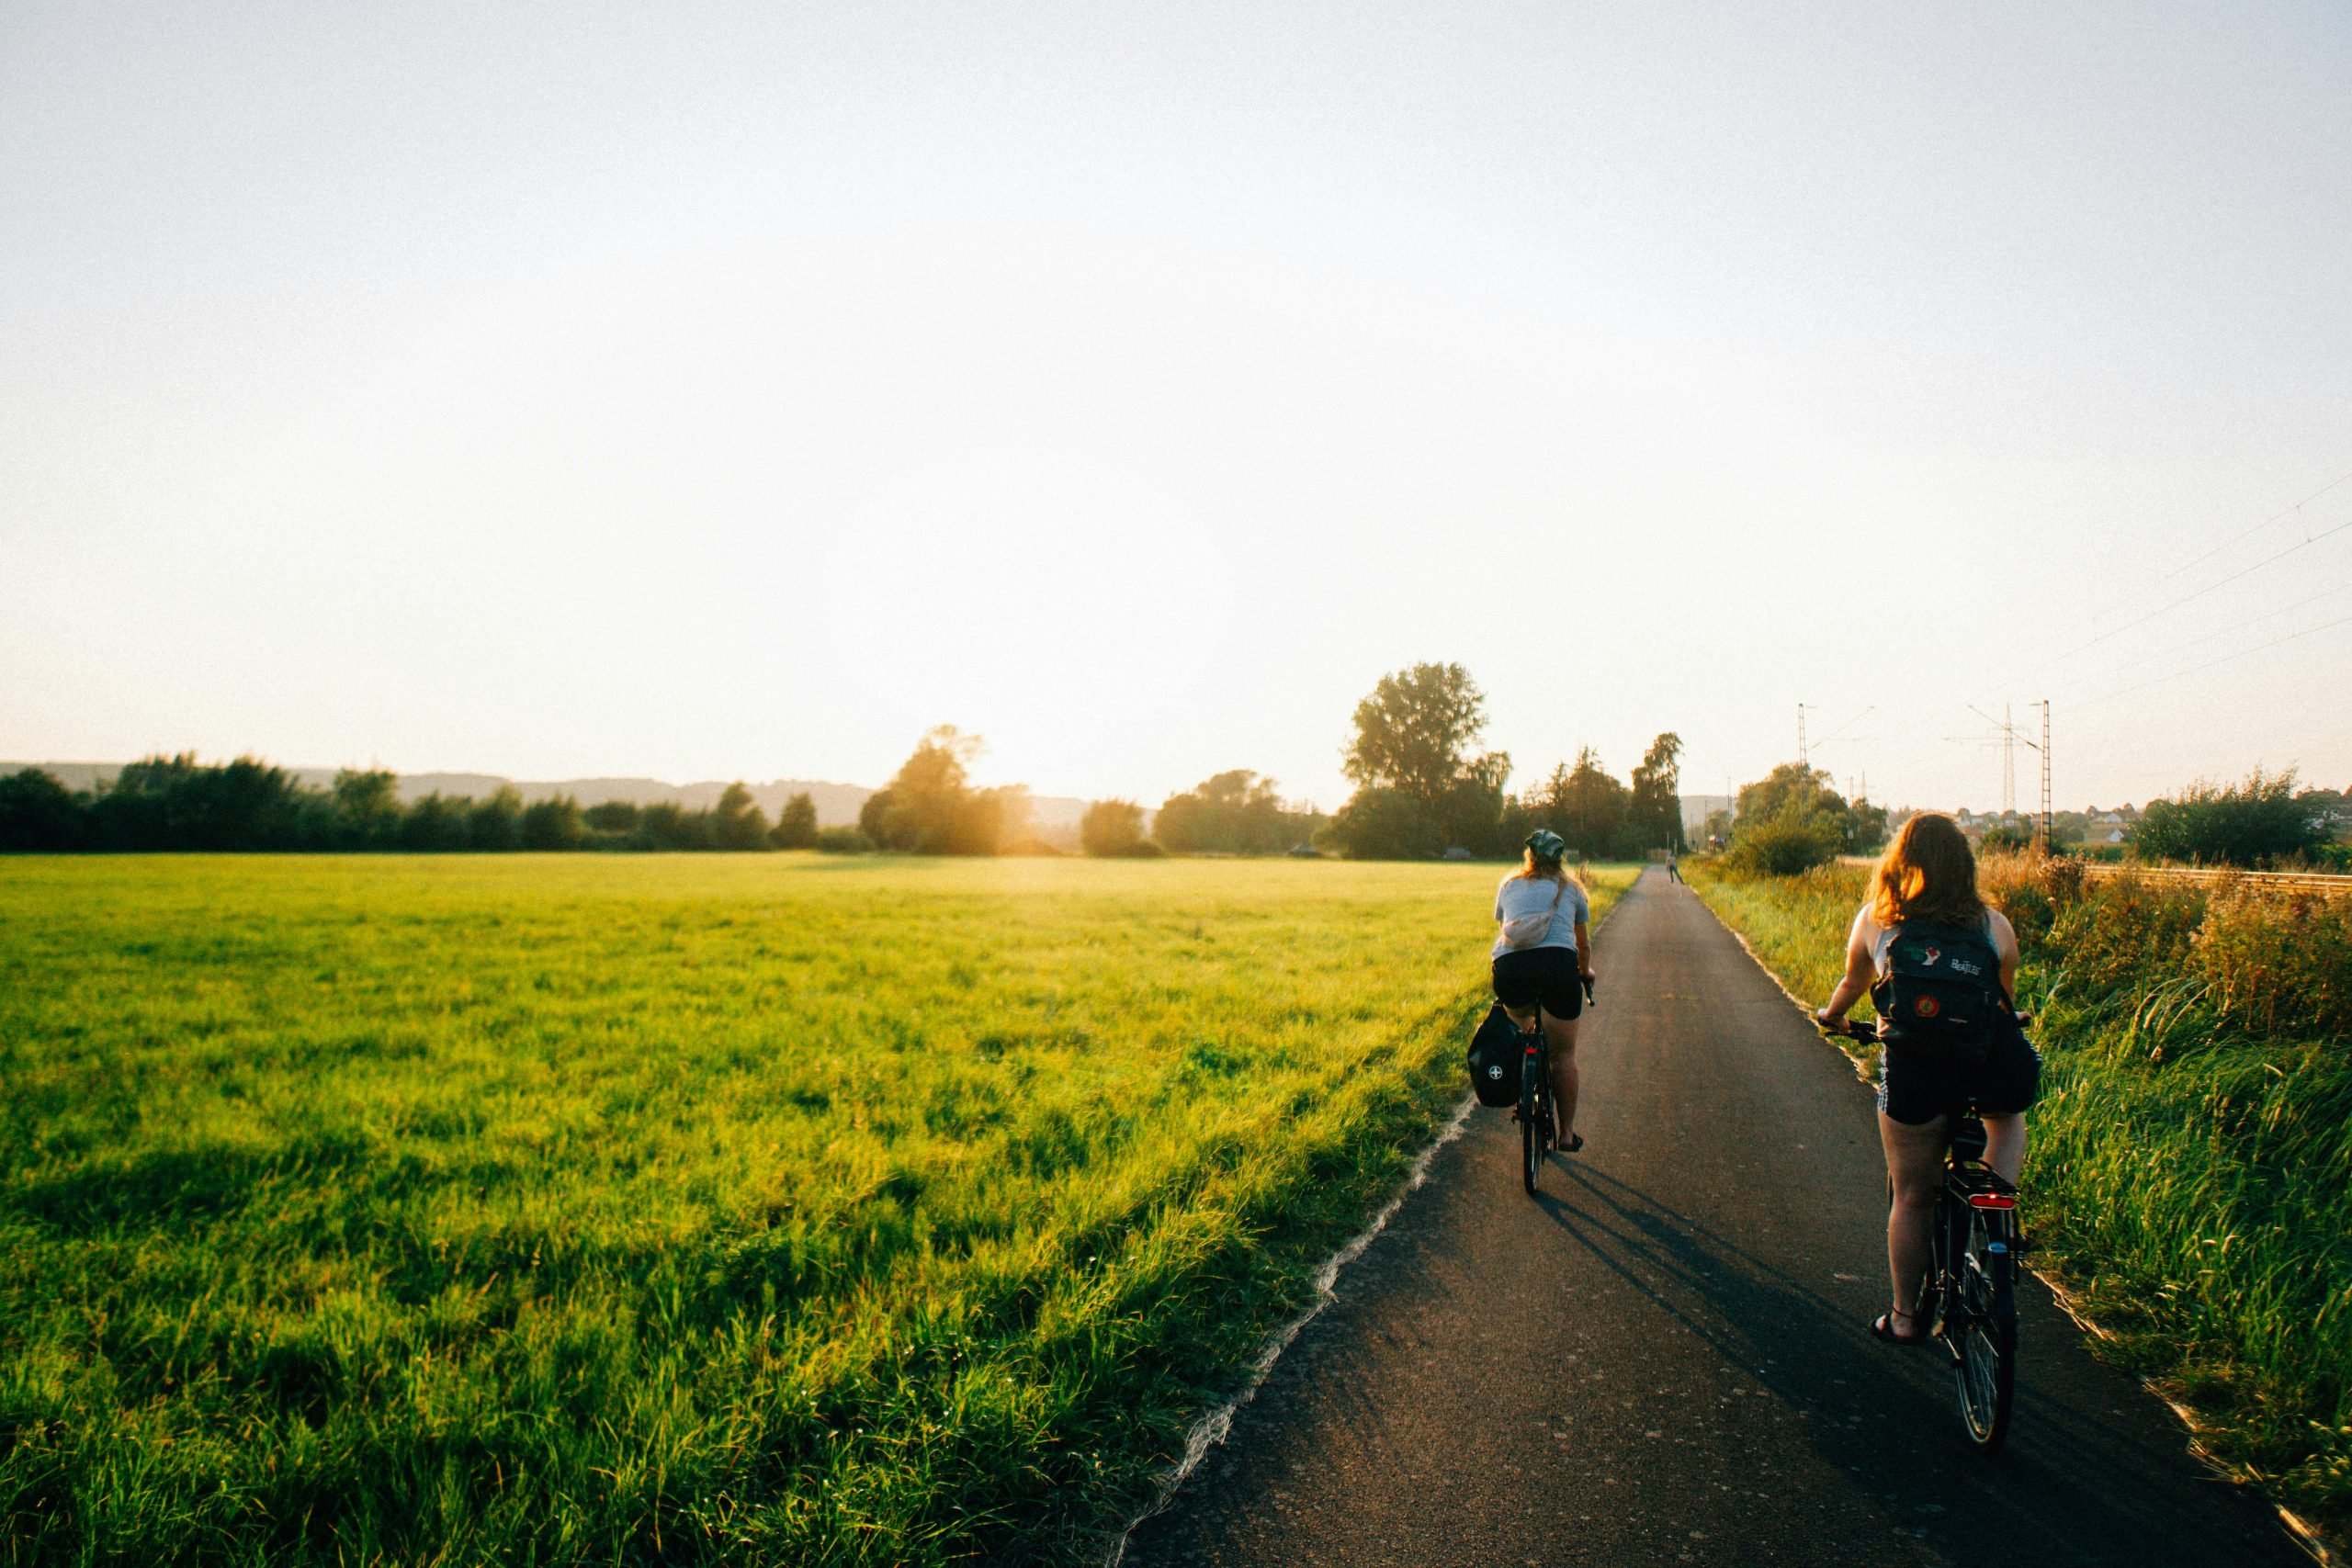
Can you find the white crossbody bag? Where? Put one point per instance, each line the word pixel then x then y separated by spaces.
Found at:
pixel 1526 931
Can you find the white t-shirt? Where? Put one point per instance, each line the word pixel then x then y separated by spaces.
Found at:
pixel 1531 896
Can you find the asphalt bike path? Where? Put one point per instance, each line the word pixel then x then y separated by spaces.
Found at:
pixel 1665 1358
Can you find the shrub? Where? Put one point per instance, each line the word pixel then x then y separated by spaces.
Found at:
pixel 1384 824
pixel 437 822
pixel 737 823
pixel 38 812
pixel 1111 827
pixel 666 825
pixel 496 823
pixel 796 825
pixel 612 816
pixel 553 824
pixel 2250 825
pixel 176 803
pixel 2278 964
pixel 843 841
pixel 1787 844
pixel 931 807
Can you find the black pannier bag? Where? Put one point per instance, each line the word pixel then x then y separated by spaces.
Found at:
pixel 1495 1056
pixel 1939 988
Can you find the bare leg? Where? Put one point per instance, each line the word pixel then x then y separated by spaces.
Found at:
pixel 2005 1146
pixel 1561 1033
pixel 1914 1166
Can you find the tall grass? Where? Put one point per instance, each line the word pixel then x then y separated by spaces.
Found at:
pixel 759 1209
pixel 2192 1165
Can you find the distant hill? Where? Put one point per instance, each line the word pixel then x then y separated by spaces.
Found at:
pixel 1054 815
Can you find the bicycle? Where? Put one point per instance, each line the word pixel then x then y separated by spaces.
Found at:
pixel 1538 1117
pixel 1973 1279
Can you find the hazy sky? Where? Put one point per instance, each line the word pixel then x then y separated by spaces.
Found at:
pixel 714 391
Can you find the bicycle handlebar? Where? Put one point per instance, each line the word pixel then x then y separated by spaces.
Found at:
pixel 1863 1031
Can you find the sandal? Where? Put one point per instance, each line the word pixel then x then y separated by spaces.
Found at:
pixel 1574 1144
pixel 1883 1328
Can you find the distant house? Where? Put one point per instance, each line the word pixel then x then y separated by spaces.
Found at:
pixel 1455 851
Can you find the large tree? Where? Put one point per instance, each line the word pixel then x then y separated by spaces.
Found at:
pixel 931 807
pixel 1112 828
pixel 1656 810
pixel 1418 783
pixel 796 825
pixel 1412 733
pixel 737 823
pixel 1584 804
pixel 1791 818
pixel 1234 812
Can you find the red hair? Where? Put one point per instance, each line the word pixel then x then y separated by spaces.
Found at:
pixel 1929 873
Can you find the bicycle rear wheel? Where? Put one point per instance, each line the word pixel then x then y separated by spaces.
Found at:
pixel 1985 1335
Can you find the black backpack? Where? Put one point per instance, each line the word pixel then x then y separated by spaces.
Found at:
pixel 1938 988
pixel 1495 1056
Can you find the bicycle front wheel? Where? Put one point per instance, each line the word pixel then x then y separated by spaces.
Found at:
pixel 1985 1337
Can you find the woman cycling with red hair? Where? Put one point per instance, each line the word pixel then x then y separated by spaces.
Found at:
pixel 1925 890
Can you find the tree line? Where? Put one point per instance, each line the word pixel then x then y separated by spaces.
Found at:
pixel 178 803
pixel 1424 788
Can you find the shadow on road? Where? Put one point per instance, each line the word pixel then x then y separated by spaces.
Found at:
pixel 2060 1491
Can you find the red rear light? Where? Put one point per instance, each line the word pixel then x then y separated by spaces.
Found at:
pixel 1991 1200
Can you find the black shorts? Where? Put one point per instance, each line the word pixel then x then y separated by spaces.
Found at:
pixel 1916 1086
pixel 1544 976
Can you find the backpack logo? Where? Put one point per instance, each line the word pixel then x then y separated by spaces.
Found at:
pixel 1494 1072
pixel 1934 954
pixel 1926 1006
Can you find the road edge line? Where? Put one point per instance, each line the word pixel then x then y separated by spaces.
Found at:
pixel 1211 1430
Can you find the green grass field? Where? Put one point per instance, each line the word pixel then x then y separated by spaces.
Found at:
pixel 770 1209
pixel 2191 1155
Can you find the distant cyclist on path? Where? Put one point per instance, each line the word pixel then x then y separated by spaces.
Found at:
pixel 1542 957
pixel 1926 883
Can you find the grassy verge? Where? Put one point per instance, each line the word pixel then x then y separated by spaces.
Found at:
pixel 767 1209
pixel 2190 1177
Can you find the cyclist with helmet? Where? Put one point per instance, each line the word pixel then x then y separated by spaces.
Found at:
pixel 1927 881
pixel 1542 958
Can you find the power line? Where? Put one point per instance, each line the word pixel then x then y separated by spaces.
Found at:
pixel 2234 540
pixel 2241 653
pixel 2305 542
pixel 2208 636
